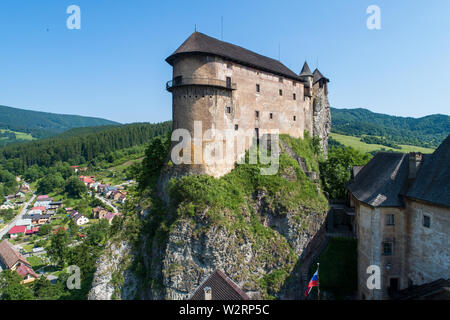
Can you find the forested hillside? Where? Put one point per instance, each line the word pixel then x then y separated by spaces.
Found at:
pixel 44 124
pixel 78 145
pixel 428 131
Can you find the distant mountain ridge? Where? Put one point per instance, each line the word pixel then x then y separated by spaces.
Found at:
pixel 428 131
pixel 44 124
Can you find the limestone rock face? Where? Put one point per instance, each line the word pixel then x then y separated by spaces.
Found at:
pixel 193 252
pixel 113 264
pixel 322 118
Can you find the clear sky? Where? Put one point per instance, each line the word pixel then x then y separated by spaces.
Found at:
pixel 114 67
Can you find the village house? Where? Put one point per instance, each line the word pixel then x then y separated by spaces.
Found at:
pixel 37 210
pixel 38 219
pixel 25 188
pixel 109 216
pixel 15 231
pixel 55 205
pixel 402 210
pixel 79 219
pixel 11 259
pixel 99 212
pixel 218 286
pixel 86 180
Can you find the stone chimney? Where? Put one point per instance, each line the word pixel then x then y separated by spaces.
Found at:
pixel 415 159
pixel 208 293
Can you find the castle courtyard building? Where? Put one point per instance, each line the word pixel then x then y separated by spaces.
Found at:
pixel 402 219
pixel 227 88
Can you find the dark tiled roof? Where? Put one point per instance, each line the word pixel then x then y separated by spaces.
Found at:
pixel 319 76
pixel 439 289
pixel 201 43
pixel 433 180
pixel 222 288
pixel 381 180
pixel 306 72
pixel 9 255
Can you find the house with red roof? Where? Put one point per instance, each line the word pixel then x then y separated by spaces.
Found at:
pixel 42 197
pixel 15 231
pixel 11 259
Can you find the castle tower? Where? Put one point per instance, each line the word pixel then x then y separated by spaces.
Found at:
pixel 220 89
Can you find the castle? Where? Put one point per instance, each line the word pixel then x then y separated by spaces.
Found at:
pixel 221 86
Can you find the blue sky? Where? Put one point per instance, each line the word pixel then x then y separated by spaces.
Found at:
pixel 114 67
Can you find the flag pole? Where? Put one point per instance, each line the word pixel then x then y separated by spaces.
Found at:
pixel 318 282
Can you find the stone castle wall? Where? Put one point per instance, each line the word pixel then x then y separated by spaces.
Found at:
pixel 285 113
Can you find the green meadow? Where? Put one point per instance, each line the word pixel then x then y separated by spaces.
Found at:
pixel 355 143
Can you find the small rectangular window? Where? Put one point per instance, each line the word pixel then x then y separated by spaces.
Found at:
pixel 295 118
pixel 228 109
pixel 281 80
pixel 229 65
pixel 294 96
pixel 390 220
pixel 257 88
pixel 294 83
pixel 281 92
pixel 271 115
pixel 426 221
pixel 236 127
pixel 257 114
pixel 387 248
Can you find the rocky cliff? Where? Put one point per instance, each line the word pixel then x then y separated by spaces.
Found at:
pixel 322 118
pixel 254 228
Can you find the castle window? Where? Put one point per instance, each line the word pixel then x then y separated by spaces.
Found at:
pixel 280 79
pixel 426 221
pixel 387 248
pixel 228 109
pixel 229 65
pixel 271 116
pixel 295 118
pixel 228 82
pixel 390 220
pixel 236 127
pixel 294 96
pixel 294 83
pixel 257 114
pixel 258 89
pixel 281 92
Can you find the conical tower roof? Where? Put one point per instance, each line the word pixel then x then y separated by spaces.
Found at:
pixel 306 72
pixel 319 76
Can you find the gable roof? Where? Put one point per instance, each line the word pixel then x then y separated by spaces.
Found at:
pixel 24 270
pixel 439 289
pixel 222 288
pixel 17 229
pixel 381 180
pixel 9 255
pixel 201 43
pixel 433 180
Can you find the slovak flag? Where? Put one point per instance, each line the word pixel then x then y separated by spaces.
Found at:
pixel 313 283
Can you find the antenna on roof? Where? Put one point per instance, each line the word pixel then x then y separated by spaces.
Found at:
pixel 279 52
pixel 221 28
pixel 195 27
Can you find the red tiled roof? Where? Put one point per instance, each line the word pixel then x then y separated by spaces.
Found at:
pixel 42 197
pixel 222 288
pixel 10 255
pixel 23 270
pixel 18 229
pixel 42 208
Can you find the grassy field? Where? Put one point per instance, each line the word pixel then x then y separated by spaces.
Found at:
pixel 338 268
pixel 355 142
pixel 19 135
